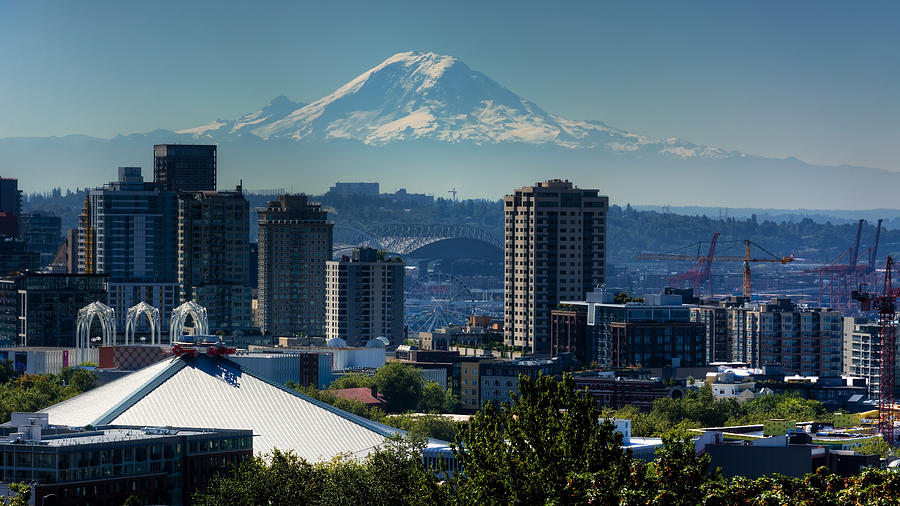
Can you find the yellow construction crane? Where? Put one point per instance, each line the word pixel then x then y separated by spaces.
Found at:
pixel 747 259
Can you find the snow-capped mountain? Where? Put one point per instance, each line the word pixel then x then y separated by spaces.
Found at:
pixel 429 123
pixel 423 95
pixel 275 110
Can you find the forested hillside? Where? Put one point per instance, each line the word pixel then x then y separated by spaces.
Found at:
pixel 630 231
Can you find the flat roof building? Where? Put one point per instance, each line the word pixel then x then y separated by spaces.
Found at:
pixel 48 305
pixel 108 464
pixel 185 167
pixel 655 333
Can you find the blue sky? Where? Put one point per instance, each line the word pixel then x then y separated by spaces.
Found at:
pixel 815 80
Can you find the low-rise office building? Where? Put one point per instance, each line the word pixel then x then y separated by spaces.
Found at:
pixel 108 464
pixel 500 379
pixel 656 333
pixel 48 305
pixel 614 393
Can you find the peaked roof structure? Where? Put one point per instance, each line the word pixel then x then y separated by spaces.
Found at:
pixel 208 392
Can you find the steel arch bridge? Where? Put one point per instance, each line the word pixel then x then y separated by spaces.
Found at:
pixel 402 239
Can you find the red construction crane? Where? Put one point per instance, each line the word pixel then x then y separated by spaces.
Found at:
pixel 837 279
pixel 886 306
pixel 700 272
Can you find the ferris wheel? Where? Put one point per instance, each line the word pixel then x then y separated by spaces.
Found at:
pixel 436 300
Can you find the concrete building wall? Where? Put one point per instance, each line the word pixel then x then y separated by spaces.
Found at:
pixel 45 360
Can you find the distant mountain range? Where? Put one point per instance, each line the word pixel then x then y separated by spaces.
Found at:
pixel 430 123
pixel 422 95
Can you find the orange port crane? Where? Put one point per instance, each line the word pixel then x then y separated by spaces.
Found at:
pixel 703 263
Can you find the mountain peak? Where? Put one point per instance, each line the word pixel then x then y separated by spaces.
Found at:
pixel 424 95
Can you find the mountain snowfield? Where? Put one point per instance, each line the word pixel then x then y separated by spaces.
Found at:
pixel 423 95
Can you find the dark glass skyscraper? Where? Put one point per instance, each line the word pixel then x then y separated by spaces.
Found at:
pixel 185 167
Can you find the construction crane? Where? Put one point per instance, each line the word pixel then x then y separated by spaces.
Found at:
pixel 453 192
pixel 841 277
pixel 702 268
pixel 886 306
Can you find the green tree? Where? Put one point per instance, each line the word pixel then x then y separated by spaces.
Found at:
pixel 401 386
pixel 874 446
pixel 392 474
pixel 80 379
pixel 536 448
pixel 7 371
pixel 425 426
pixel 353 380
pixel 679 474
pixel 22 495
pixel 133 500
pixel 437 399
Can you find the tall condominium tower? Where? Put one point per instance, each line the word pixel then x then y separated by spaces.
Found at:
pixel 295 241
pixel 213 232
pixel 185 167
pixel 555 250
pixel 129 231
pixel 364 298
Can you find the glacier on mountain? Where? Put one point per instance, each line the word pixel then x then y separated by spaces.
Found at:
pixel 423 95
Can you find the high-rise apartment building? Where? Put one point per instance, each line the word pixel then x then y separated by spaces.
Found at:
pixel 42 233
pixel 862 353
pixel 129 231
pixel 804 341
pixel 555 249
pixel 364 298
pixel 213 230
pixel 185 167
pixel 295 241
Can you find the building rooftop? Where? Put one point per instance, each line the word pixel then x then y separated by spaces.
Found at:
pixel 107 435
pixel 205 392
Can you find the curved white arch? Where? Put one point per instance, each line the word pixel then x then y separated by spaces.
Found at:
pixel 134 313
pixel 86 315
pixel 179 316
